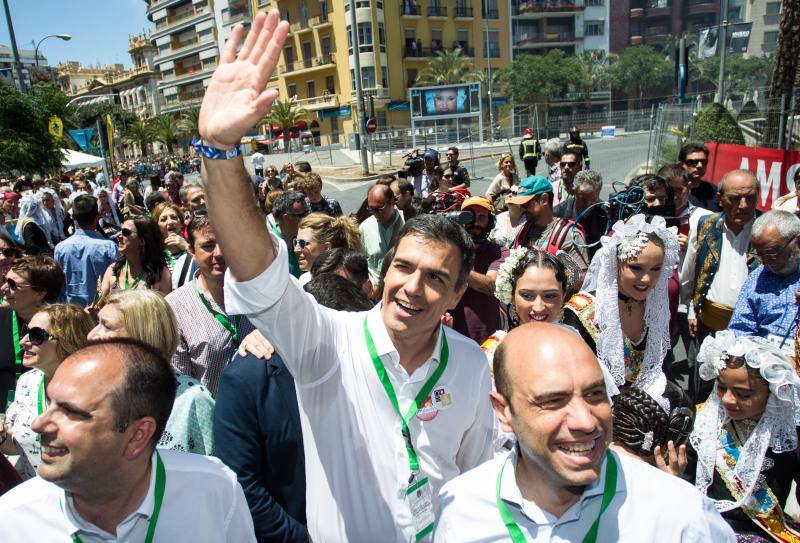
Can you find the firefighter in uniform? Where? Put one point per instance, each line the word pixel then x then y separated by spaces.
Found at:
pixel 578 146
pixel 529 151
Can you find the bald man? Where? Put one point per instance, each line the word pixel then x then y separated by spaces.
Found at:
pixel 550 391
pixel 381 229
pixel 101 477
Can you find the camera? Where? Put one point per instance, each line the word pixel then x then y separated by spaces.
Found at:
pixel 414 165
pixel 464 218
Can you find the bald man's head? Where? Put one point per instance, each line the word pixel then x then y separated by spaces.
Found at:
pixel 532 342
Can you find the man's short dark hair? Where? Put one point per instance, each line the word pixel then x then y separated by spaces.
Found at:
pixel 341 258
pixel 84 210
pixel 153 199
pixel 283 203
pixel 673 172
pixel 43 274
pixel 453 150
pixel 502 383
pixel 197 223
pixel 405 186
pixel 336 292
pixel 440 229
pixel 690 148
pixel 653 183
pixel 147 387
pixel 302 166
pixel 569 151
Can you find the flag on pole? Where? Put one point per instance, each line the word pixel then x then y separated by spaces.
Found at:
pixel 110 132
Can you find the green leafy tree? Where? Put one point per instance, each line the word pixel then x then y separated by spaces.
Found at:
pixel 537 78
pixel 165 130
pixel 447 68
pixel 26 145
pixel 594 68
pixel 139 132
pixel 715 123
pixel 286 114
pixel 639 69
pixel 188 121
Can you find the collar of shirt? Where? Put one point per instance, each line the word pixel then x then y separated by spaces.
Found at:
pixel 510 493
pixel 385 348
pixel 78 524
pixel 741 237
pixel 88 233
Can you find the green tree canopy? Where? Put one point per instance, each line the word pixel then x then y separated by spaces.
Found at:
pixel 715 123
pixel 165 130
pixel 188 122
pixel 531 78
pixel 447 68
pixel 26 145
pixel 639 69
pixel 139 132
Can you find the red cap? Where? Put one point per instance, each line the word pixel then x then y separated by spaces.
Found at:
pixel 11 196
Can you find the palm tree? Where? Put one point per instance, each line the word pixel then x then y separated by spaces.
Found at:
pixel 165 130
pixel 138 132
pixel 188 121
pixel 447 68
pixel 286 114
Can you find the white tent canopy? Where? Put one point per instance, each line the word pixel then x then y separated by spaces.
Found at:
pixel 75 159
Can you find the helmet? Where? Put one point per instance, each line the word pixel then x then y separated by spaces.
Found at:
pixel 528 132
pixel 574 130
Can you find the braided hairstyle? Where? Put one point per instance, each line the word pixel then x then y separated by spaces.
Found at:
pixel 640 424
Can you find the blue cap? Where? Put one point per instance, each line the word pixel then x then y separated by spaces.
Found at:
pixel 530 187
pixel 431 153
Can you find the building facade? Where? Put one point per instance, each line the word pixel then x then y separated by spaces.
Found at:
pixel 765 17
pixel 656 22
pixel 27 58
pixel 396 40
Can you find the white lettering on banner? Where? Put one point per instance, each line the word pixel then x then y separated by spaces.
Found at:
pixel 766 182
pixel 790 171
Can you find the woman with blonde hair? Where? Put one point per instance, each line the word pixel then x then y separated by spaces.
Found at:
pixel 318 233
pixel 55 332
pixel 145 315
pixel 501 185
pixel 169 219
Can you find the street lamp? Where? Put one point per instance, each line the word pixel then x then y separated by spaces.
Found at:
pixel 65 37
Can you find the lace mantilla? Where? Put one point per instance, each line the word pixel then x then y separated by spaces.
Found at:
pixel 504 284
pixel 626 243
pixel 776 429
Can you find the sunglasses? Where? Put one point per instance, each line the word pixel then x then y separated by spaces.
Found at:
pixel 301 243
pixel 13 285
pixel 8 252
pixel 377 210
pixel 37 336
pixel 696 161
pixel 448 176
pixel 570 164
pixel 127 232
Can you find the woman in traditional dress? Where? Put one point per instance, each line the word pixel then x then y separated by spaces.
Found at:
pixel 623 310
pixel 745 435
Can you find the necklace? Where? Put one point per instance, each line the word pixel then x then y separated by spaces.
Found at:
pixel 629 303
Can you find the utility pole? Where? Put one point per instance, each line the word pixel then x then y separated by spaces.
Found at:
pixel 489 78
pixel 360 118
pixel 723 44
pixel 13 38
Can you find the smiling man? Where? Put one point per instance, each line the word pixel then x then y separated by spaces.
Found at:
pixel 561 482
pixel 392 404
pixel 101 478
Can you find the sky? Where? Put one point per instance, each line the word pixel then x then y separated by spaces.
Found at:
pixel 99 28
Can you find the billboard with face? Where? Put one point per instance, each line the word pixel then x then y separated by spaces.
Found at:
pixel 445 101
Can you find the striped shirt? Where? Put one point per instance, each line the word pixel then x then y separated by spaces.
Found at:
pixel 205 346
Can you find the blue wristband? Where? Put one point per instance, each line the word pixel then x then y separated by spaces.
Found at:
pixel 214 152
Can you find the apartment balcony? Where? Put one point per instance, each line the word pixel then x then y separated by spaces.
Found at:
pixel 299 27
pixel 197 72
pixel 320 20
pixel 319 102
pixel 161 4
pixel 461 12
pixel 411 12
pixel 307 65
pixel 419 52
pixel 376 93
pixel 189 47
pixel 171 20
pixel 637 40
pixel 174 24
pixel 235 16
pixel 656 36
pixel 545 8
pixel 700 7
pixel 545 39
pixel 182 100
pixel 437 12
pixel 637 13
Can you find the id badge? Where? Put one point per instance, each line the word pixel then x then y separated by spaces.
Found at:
pixel 420 501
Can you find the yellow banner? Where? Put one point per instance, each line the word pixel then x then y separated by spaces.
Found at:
pixel 110 132
pixel 55 127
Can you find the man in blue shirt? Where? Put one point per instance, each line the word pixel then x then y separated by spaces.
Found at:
pixel 85 255
pixel 766 305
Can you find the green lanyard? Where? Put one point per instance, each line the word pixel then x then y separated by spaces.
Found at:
pixel 231 324
pixel 18 350
pixel 413 459
pixel 609 489
pixel 135 281
pixel 42 403
pixel 161 483
pixel 170 259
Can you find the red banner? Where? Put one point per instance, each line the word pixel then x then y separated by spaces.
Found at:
pixel 774 168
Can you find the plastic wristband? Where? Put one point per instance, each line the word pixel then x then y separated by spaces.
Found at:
pixel 215 153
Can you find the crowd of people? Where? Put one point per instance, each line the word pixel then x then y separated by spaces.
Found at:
pixel 238 360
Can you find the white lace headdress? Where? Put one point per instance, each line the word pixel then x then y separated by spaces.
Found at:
pixel 777 427
pixel 627 242
pixel 31 207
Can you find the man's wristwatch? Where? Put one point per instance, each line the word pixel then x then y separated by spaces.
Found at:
pixel 215 153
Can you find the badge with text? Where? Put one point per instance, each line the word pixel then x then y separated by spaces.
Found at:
pixel 442 398
pixel 420 502
pixel 427 411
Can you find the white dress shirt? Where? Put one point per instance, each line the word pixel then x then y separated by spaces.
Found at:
pixel 203 502
pixel 732 268
pixel 648 505
pixel 357 468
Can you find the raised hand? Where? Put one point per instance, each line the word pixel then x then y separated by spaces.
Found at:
pixel 676 461
pixel 237 96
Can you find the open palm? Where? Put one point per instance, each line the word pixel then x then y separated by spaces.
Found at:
pixel 237 97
